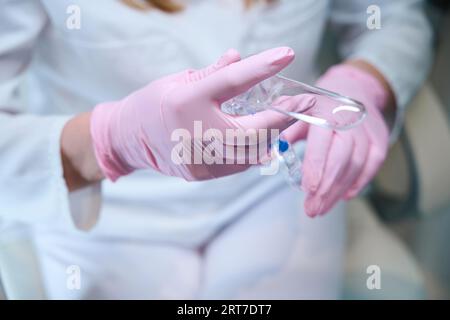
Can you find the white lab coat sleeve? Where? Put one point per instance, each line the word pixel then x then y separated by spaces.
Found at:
pixel 32 186
pixel 401 48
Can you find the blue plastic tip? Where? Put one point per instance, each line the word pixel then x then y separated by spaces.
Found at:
pixel 283 145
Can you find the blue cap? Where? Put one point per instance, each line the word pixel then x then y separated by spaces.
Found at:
pixel 283 145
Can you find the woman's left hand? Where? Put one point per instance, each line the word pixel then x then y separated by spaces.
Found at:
pixel 338 164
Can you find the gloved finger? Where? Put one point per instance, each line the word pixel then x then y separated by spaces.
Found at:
pixel 297 131
pixel 339 160
pixel 240 76
pixel 374 161
pixel 317 147
pixel 375 127
pixel 353 171
pixel 359 160
pixel 229 57
pixel 378 138
pixel 271 119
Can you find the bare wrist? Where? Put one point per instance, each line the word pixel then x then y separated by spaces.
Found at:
pixel 77 153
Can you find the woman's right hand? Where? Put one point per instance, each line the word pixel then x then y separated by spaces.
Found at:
pixel 138 132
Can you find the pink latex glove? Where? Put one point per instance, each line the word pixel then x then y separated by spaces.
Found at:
pixel 338 164
pixel 135 133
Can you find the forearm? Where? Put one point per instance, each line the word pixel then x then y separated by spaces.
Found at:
pixel 77 153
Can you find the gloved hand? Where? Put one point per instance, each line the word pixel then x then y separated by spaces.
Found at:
pixel 136 132
pixel 338 164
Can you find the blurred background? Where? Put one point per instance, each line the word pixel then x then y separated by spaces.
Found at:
pixel 403 224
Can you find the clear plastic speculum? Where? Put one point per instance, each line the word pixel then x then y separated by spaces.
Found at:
pixel 331 110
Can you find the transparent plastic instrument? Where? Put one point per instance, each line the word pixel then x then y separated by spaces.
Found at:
pixel 290 160
pixel 331 110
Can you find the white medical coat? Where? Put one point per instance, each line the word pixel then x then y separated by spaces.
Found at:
pixel 49 72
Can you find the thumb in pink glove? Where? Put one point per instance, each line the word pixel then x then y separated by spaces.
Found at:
pixel 137 132
pixel 338 164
